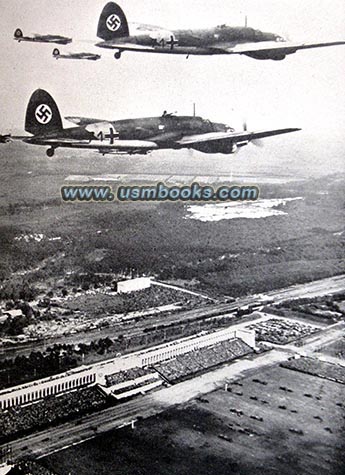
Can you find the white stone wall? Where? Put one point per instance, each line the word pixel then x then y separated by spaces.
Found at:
pixel 36 390
pixel 95 374
pixel 248 336
pixel 133 285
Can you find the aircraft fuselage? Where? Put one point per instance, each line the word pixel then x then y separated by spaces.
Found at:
pixel 201 41
pixel 165 131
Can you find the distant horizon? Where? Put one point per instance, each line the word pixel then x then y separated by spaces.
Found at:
pixel 305 90
pixel 279 157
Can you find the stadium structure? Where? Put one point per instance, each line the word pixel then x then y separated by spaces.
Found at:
pixel 142 368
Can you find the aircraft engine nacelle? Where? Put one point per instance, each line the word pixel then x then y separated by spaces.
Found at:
pixel 103 131
pixel 262 55
pixel 222 146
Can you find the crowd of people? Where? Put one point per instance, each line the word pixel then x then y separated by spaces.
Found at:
pixel 322 369
pixel 29 468
pixel 21 419
pixel 137 386
pixel 125 376
pixel 202 359
pixel 155 296
pixel 281 332
pixel 135 301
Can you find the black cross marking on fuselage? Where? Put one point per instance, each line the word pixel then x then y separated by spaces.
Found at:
pixel 111 136
pixel 172 42
pixel 44 113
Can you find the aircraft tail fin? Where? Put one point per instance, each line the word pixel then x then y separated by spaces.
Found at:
pixel 56 53
pixel 18 34
pixel 42 115
pixel 112 23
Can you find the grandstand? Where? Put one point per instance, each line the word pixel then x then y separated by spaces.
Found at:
pixel 62 397
pixel 18 421
pixel 201 360
pixel 95 375
pixel 129 383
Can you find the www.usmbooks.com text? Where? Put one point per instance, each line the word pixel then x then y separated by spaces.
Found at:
pixel 159 192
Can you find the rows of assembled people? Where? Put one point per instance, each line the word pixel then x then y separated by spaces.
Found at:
pixel 281 331
pixel 22 419
pixel 200 360
pixel 29 467
pixel 322 369
pixel 128 375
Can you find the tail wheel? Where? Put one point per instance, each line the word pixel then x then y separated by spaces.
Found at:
pixel 117 55
pixel 50 152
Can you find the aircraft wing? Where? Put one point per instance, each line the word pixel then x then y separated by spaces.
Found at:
pixel 273 47
pixel 233 137
pixel 184 50
pixel 60 40
pixel 118 145
pixel 260 50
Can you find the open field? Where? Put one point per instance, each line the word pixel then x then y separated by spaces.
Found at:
pixel 277 422
pixel 335 349
pixel 229 257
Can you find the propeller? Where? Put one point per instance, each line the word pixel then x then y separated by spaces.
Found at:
pixel 287 37
pixel 257 142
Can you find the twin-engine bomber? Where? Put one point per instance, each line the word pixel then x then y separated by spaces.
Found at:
pixel 131 136
pixel 119 35
pixel 36 38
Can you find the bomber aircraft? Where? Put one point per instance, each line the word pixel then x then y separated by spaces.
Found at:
pixel 131 136
pixel 60 40
pixel 117 34
pixel 87 56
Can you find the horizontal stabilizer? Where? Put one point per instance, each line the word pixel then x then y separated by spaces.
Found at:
pixel 81 121
pixel 5 138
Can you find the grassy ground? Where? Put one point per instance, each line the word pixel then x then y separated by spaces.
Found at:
pixel 298 429
pixel 336 349
pixel 228 257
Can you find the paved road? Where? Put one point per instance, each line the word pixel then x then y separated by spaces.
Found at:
pixel 320 287
pixel 72 433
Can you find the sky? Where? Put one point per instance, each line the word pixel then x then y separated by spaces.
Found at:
pixel 305 90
